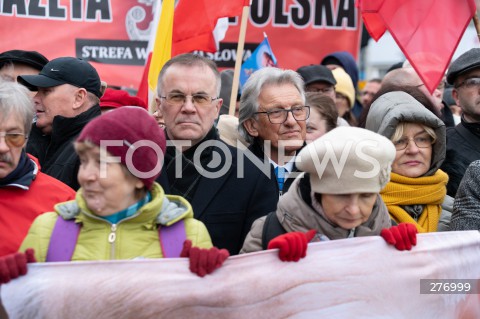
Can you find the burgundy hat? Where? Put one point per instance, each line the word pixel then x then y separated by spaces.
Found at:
pixel 116 98
pixel 142 141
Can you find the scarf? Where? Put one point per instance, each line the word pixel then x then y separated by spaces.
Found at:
pixel 298 211
pixel 129 211
pixel 186 186
pixel 429 191
pixel 23 175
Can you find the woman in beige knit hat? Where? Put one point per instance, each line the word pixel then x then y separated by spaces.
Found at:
pixel 416 192
pixel 336 197
pixel 345 96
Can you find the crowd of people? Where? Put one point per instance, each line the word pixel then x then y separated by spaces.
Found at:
pixel 88 172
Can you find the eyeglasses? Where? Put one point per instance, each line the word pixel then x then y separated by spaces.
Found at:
pixel 279 116
pixel 367 93
pixel 320 90
pixel 469 83
pixel 423 141
pixel 440 85
pixel 179 99
pixel 14 139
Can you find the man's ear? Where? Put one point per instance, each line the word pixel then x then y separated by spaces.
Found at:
pixel 218 105
pixel 455 96
pixel 80 97
pixel 251 125
pixel 156 104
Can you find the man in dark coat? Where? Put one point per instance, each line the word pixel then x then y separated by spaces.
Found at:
pixel 68 93
pixel 228 192
pixel 463 141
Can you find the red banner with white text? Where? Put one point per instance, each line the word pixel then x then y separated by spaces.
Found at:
pixel 113 35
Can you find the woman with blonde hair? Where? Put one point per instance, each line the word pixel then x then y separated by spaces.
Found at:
pixel 416 192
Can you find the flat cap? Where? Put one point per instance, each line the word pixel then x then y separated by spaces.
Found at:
pixel 316 73
pixel 32 58
pixel 468 61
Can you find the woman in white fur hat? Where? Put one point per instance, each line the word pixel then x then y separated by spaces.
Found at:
pixel 336 197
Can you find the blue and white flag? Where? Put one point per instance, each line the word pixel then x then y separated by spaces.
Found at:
pixel 260 58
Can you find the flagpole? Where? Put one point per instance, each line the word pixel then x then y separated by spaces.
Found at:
pixel 239 60
pixel 476 23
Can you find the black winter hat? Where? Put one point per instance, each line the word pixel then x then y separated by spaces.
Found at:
pixel 468 61
pixel 316 73
pixel 65 70
pixel 31 58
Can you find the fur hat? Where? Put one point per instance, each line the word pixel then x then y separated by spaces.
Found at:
pixel 348 160
pixel 139 136
pixel 227 127
pixel 344 85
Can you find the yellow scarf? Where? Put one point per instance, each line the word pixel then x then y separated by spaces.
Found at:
pixel 428 190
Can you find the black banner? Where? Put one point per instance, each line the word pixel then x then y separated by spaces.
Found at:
pixel 124 52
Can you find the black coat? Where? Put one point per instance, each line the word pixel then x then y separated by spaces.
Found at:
pixel 55 152
pixel 229 204
pixel 463 147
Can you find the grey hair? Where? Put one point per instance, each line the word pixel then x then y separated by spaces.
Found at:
pixel 189 59
pixel 92 99
pixel 253 87
pixel 15 99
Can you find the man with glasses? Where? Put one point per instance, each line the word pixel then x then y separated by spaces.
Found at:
pixel 408 77
pixel 319 79
pixel 226 190
pixel 273 119
pixel 463 141
pixel 25 192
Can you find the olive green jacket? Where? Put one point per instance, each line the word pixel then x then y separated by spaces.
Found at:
pixel 133 237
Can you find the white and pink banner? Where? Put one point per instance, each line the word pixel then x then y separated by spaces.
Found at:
pixel 352 278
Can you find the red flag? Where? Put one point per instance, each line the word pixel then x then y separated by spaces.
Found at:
pixel 159 47
pixel 189 35
pixel 425 30
pixel 371 18
pixel 195 20
pixel 143 90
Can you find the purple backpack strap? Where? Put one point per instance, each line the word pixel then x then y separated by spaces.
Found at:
pixel 63 240
pixel 172 238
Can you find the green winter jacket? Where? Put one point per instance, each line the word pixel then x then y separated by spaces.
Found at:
pixel 135 236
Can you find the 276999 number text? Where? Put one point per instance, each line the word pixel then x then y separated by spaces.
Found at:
pixel 449 286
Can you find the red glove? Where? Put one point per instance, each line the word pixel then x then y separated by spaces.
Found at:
pixel 403 236
pixel 14 265
pixel 203 261
pixel 293 246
